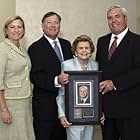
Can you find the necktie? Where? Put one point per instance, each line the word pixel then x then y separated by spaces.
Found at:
pixel 57 51
pixel 112 48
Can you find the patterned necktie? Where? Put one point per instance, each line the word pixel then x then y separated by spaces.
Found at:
pixel 112 48
pixel 57 51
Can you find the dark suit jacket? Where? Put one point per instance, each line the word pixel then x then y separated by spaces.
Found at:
pixel 45 66
pixel 87 100
pixel 124 70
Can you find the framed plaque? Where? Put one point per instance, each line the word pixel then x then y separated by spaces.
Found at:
pixel 82 98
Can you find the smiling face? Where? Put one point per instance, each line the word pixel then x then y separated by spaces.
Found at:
pixel 83 50
pixel 83 91
pixel 117 21
pixel 15 30
pixel 51 26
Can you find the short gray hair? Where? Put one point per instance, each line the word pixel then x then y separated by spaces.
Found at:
pixel 124 11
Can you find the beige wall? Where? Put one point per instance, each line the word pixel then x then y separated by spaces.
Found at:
pixel 78 16
pixel 7 9
pixel 138 16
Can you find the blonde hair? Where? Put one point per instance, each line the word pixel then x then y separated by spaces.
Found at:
pixel 11 20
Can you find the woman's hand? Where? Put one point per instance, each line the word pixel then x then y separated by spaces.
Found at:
pixel 102 119
pixel 65 122
pixel 6 116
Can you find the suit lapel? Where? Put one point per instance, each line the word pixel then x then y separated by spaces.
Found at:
pixel 14 48
pixel 46 45
pixel 63 48
pixel 76 64
pixel 121 47
pixel 106 46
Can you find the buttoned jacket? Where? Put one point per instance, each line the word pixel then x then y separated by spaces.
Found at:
pixel 123 69
pixel 14 71
pixel 45 67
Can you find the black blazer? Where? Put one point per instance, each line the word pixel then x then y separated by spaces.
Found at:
pixel 45 66
pixel 124 70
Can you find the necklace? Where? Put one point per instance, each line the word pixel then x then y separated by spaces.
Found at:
pixel 84 67
pixel 83 64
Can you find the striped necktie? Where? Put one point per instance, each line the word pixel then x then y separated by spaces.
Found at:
pixel 112 48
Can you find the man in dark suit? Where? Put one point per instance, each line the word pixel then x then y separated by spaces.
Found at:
pixel 46 78
pixel 121 83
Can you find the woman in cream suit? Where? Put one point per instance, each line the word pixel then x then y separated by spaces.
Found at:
pixel 15 87
pixel 82 49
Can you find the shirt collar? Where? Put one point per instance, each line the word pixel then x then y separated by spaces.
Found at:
pixel 121 35
pixel 51 41
pixel 84 99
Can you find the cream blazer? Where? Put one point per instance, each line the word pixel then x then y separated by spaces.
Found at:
pixel 14 71
pixel 71 65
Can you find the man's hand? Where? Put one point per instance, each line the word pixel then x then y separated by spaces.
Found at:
pixel 63 79
pixel 106 86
